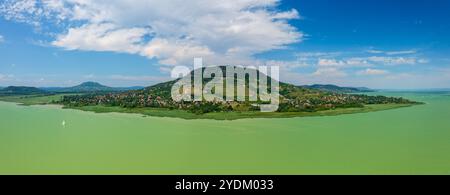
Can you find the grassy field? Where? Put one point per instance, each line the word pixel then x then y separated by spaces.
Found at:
pixel 160 112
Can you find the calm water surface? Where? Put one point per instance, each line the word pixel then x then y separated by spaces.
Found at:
pixel 413 140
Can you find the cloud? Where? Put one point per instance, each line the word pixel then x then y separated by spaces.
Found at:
pixel 350 62
pixel 330 62
pixel 102 37
pixel 361 59
pixel 222 32
pixel 375 51
pixel 288 65
pixel 370 61
pixel 446 73
pixel 2 39
pixel 370 71
pixel 423 61
pixel 402 52
pixel 139 78
pixel 329 72
pixel 34 11
pixel 358 62
pixel 89 76
pixel 393 60
pixel 318 54
pixel 4 77
pixel 174 52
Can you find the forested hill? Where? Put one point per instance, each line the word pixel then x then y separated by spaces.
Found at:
pixel 292 99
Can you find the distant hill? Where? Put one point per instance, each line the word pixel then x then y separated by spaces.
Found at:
pixel 20 90
pixel 337 89
pixel 88 87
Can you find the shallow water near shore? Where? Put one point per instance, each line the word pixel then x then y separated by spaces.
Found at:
pixel 412 140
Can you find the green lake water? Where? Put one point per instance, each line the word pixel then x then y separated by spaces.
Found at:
pixel 414 140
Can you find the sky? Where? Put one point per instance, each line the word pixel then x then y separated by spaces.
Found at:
pixel 382 44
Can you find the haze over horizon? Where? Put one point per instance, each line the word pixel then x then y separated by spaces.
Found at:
pixel 379 44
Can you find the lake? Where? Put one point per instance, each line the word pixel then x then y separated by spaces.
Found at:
pixel 413 140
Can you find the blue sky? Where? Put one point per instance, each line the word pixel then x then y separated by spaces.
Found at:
pixel 374 43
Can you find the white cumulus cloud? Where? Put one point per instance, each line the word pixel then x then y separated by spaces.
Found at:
pixel 172 31
pixel 102 37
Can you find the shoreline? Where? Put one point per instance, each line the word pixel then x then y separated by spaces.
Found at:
pixel 221 116
pixel 230 116
pixel 182 114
